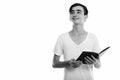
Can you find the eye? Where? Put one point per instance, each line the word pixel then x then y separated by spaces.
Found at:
pixel 79 12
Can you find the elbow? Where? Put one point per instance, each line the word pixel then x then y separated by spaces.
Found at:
pixel 54 65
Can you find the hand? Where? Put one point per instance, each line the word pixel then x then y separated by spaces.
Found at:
pixel 97 63
pixel 91 61
pixel 74 63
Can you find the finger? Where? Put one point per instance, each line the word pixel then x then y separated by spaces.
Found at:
pixel 89 58
pixel 88 61
pixel 73 59
pixel 78 62
pixel 95 60
pixel 75 65
pixel 93 57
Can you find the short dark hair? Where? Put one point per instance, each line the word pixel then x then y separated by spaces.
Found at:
pixel 78 4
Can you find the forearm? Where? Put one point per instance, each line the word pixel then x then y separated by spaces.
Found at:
pixel 61 64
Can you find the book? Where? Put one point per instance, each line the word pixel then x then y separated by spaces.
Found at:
pixel 90 54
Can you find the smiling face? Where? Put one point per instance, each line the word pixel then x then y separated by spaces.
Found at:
pixel 77 15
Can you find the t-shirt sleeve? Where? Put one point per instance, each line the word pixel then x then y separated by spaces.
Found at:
pixel 58 49
pixel 96 46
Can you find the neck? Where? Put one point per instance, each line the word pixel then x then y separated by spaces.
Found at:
pixel 78 29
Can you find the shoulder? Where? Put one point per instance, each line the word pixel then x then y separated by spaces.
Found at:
pixel 92 35
pixel 63 35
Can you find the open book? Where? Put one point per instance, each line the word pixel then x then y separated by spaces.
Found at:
pixel 87 53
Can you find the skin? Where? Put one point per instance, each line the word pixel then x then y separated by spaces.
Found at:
pixel 78 34
pixel 77 16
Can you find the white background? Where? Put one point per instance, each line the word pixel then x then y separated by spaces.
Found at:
pixel 29 30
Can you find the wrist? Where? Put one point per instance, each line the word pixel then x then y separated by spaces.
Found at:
pixel 67 64
pixel 97 64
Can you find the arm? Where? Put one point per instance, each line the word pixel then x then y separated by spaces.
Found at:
pixel 65 64
pixel 59 64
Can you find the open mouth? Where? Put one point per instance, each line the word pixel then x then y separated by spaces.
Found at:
pixel 75 18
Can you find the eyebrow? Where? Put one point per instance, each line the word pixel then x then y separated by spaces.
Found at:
pixel 78 10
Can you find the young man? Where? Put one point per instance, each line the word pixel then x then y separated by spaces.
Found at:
pixel 73 43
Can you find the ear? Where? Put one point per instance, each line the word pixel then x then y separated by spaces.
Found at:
pixel 86 16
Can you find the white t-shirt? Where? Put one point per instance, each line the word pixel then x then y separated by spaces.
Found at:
pixel 65 46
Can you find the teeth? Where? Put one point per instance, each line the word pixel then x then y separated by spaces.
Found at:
pixel 75 18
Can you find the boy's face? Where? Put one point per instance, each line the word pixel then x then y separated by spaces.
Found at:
pixel 77 15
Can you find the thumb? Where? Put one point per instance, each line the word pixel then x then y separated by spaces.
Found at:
pixel 72 59
pixel 80 62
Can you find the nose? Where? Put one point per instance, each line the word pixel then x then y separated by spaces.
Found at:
pixel 75 14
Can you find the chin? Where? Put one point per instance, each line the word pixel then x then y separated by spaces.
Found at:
pixel 76 21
